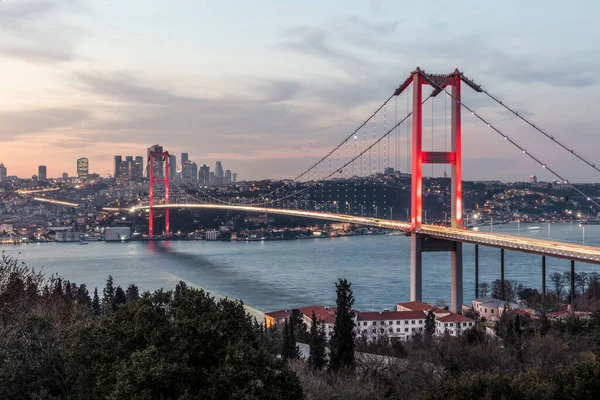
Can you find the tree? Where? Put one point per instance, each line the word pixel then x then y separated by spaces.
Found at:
pixel 344 336
pixel 96 302
pixel 430 323
pixel 83 296
pixel 483 289
pixel 558 282
pixel 119 298
pixel 108 298
pixel 290 349
pixel 318 342
pixel 509 293
pixel 132 293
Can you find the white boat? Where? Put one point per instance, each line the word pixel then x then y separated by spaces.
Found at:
pixel 533 228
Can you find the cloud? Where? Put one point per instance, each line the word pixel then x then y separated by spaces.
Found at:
pixel 33 31
pixel 16 123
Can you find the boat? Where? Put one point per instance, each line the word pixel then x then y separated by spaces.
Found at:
pixel 533 228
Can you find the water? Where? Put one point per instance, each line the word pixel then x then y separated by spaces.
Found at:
pixel 284 274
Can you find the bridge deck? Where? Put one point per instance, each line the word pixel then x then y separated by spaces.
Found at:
pixel 549 248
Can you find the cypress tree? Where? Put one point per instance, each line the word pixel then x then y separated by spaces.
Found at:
pixel 83 296
pixel 316 359
pixel 285 351
pixel 430 323
pixel 108 297
pixel 343 339
pixel 96 303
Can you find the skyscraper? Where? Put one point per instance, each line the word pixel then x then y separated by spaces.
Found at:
pixel 211 178
pixel 137 172
pixel 184 158
pixel 204 175
pixel 219 173
pixel 234 177
pixel 3 172
pixel 42 173
pixel 158 162
pixel 118 168
pixel 82 168
pixel 189 171
pixel 172 167
pixel 228 176
pixel 65 176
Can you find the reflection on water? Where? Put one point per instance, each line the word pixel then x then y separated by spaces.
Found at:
pixel 278 274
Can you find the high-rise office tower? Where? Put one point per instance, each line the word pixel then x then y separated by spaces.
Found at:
pixel 127 168
pixel 83 166
pixel 118 163
pixel 219 176
pixel 42 173
pixel 3 172
pixel 211 178
pixel 234 177
pixel 158 163
pixel 228 176
pixel 65 176
pixel 204 175
pixel 185 157
pixel 172 167
pixel 189 171
pixel 137 171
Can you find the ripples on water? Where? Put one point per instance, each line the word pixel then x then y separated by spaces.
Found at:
pixel 284 274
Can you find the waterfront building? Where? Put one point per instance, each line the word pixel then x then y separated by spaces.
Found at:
pixel 3 172
pixel 82 168
pixel 42 173
pixel 212 235
pixel 491 308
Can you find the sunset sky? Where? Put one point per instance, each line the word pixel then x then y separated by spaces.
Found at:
pixel 267 87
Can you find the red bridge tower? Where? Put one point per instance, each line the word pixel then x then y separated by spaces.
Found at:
pixel 158 165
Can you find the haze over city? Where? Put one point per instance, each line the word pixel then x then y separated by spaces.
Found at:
pixel 270 89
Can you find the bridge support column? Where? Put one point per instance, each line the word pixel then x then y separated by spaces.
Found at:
pixel 544 282
pixel 572 285
pixel 457 278
pixel 476 271
pixel 502 291
pixel 416 267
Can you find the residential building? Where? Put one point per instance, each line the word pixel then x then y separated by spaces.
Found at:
pixel 137 171
pixel 491 309
pixel 391 324
pixel 83 166
pixel 42 173
pixel 452 324
pixel 3 172
pixel 131 168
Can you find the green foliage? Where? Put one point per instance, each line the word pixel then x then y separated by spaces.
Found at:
pixel 343 339
pixel 318 344
pixel 96 303
pixel 430 323
pixel 108 298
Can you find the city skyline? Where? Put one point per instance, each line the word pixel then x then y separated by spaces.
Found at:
pixel 309 76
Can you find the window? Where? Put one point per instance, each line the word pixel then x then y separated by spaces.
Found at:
pixel 405 329
pixel 492 310
pixel 413 322
pixel 365 323
pixel 464 324
pixel 420 321
pixel 390 322
pixel 445 324
pixel 451 323
pixel 398 330
pixel 470 323
pixel 364 331
pixel 374 331
pixel 397 322
pixel 413 329
pixel 374 322
pixel 391 330
pixel 381 330
pixel 485 309
pixel 420 329
pixel 406 322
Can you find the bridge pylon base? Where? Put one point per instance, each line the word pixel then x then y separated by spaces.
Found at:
pixel 420 244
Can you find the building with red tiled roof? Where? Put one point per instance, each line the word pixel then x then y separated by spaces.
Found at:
pixel 390 324
pixel 414 306
pixel 453 324
pixel 322 313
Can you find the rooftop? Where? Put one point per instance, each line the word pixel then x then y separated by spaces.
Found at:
pixel 455 318
pixel 388 315
pixel 416 305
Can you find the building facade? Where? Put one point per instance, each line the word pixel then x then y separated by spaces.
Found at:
pixel 204 175
pixel 3 172
pixel 83 166
pixel 42 173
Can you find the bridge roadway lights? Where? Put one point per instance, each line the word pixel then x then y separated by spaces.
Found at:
pixel 420 244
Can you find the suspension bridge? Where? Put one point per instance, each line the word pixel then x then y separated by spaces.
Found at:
pixel 376 147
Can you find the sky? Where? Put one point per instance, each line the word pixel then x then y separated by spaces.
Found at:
pixel 268 87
